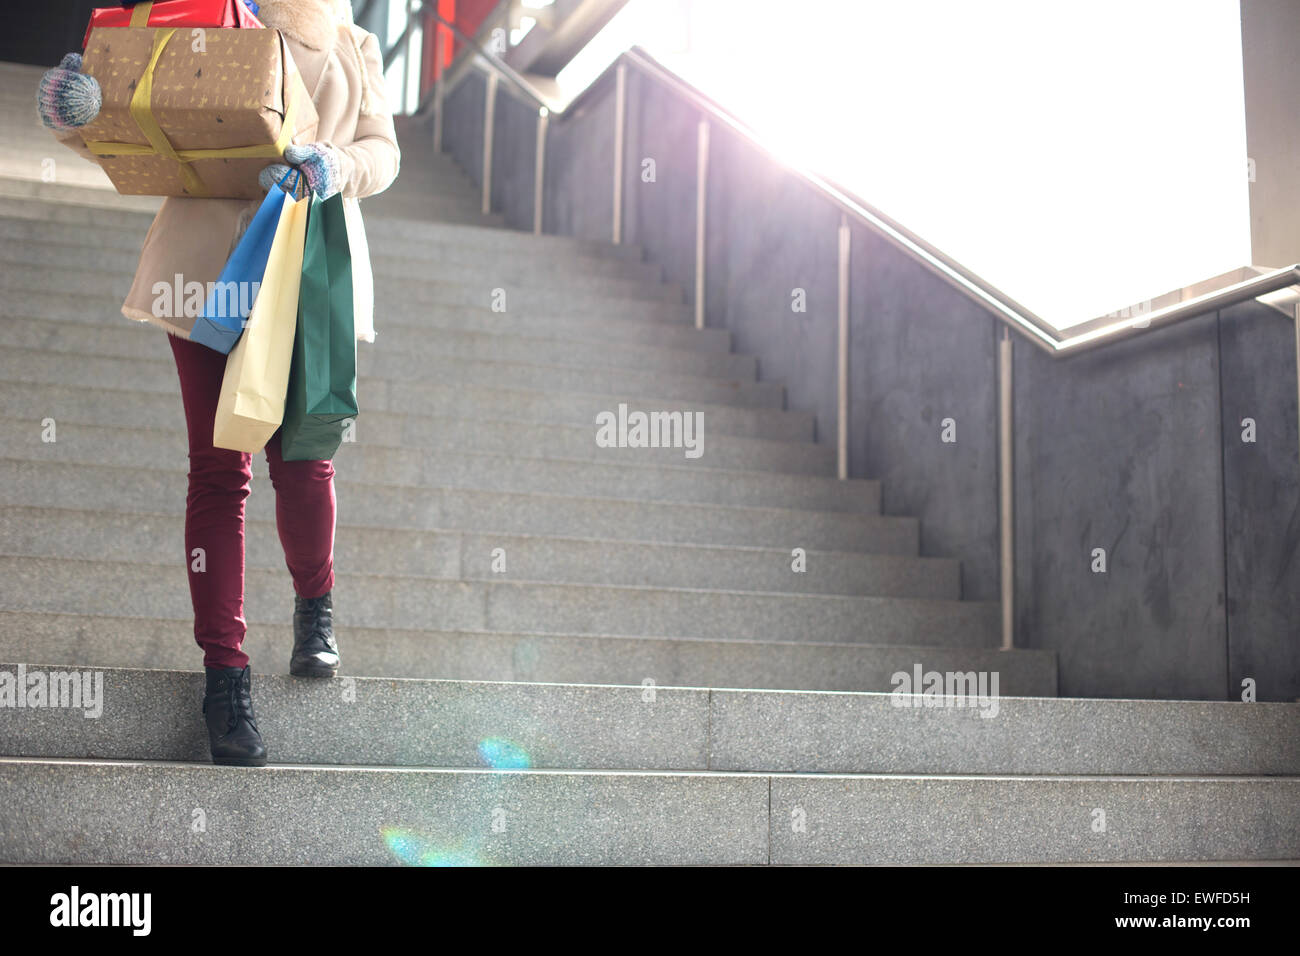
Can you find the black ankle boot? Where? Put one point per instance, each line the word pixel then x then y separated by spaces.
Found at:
pixel 232 728
pixel 315 652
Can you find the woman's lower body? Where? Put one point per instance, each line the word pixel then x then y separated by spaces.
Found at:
pixel 219 484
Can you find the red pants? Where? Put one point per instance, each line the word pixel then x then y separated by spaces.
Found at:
pixel 214 514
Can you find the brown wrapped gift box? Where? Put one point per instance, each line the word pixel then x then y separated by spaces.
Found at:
pixel 231 96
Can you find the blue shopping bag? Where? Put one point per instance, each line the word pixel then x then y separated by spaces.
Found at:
pixel 231 300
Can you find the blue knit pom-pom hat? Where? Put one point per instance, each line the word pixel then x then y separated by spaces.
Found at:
pixel 68 98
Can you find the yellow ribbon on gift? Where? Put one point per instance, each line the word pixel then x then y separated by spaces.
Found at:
pixel 140 14
pixel 142 112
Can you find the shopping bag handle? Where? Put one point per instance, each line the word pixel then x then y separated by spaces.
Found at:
pixel 296 183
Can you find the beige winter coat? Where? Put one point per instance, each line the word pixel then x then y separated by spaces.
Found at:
pixel 193 237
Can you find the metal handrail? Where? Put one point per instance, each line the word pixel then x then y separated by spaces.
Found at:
pixel 390 55
pixel 503 69
pixel 1169 315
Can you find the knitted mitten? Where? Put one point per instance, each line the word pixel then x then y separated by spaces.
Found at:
pixel 320 167
pixel 270 177
pixel 67 98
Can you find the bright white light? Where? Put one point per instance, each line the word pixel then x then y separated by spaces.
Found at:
pixel 1081 158
pixel 394 75
pixel 662 27
pixel 525 24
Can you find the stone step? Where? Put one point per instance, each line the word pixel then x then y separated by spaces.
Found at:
pixel 25 295
pixel 412 347
pixel 493 241
pixel 20 89
pixel 404 352
pixel 19 97
pixel 150 373
pixel 84 215
pixel 89 811
pixel 461 555
pixel 437 202
pixel 485 417
pixel 482 436
pixel 421 164
pixel 26 190
pixel 29 147
pixel 426 203
pixel 11 73
pixel 599 297
pixel 26 134
pixel 468 218
pixel 73 586
pixel 32 242
pixel 444 723
pixel 31 153
pixel 21 121
pixel 409 324
pixel 52 164
pixel 406 198
pixel 398 299
pixel 400 257
pixel 24 129
pixel 154 642
pixel 485 286
pixel 423 168
pixel 78 406
pixel 411 277
pixel 381 466
pixel 18 102
pixel 21 79
pixel 162 486
pixel 23 198
pixel 35 240
pixel 652 329
pixel 378 816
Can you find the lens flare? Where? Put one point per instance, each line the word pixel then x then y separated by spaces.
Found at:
pixel 413 849
pixel 500 754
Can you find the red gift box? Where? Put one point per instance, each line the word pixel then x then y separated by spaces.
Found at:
pixel 175 13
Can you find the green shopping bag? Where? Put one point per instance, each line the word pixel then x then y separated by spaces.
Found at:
pixel 322 394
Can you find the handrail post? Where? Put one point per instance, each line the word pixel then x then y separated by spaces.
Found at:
pixel 620 123
pixel 842 355
pixel 701 204
pixel 439 33
pixel 406 60
pixel 489 120
pixel 1006 488
pixel 539 169
pixel 1297 357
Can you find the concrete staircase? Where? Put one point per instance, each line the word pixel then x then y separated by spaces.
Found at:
pixel 646 681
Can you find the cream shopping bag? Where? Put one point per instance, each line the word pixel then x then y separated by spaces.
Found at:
pixel 251 405
pixel 363 282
